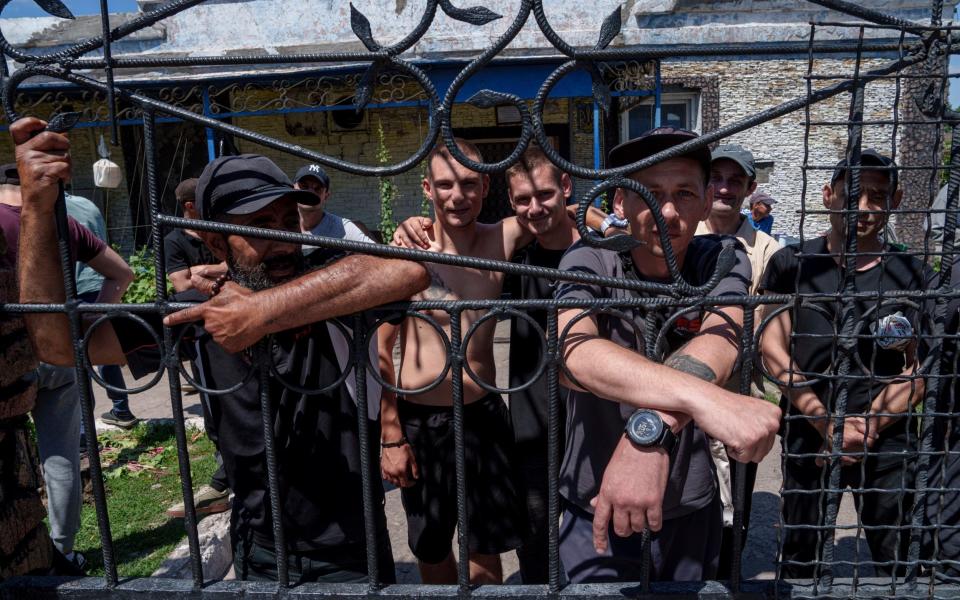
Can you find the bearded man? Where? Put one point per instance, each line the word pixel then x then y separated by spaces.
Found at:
pixel 273 291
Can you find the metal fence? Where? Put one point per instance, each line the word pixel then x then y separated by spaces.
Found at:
pixel 922 48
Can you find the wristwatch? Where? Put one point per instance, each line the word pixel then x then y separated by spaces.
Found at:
pixel 612 220
pixel 646 429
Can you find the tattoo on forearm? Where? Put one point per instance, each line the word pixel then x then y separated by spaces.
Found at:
pixel 691 365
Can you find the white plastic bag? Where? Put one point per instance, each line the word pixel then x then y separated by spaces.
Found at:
pixel 106 174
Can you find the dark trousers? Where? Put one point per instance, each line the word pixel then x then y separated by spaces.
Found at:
pixel 533 553
pixel 749 470
pixel 685 549
pixel 346 563
pixel 884 508
pixel 943 508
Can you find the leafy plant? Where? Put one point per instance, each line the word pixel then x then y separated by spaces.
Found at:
pixel 424 199
pixel 144 286
pixel 388 190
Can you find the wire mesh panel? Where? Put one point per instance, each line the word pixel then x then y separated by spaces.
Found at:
pixel 856 331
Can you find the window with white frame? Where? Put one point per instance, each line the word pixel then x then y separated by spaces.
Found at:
pixel 677 109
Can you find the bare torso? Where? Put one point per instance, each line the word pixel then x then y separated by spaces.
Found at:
pixel 423 355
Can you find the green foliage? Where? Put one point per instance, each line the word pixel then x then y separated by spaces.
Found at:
pixel 142 480
pixel 425 208
pixel 144 286
pixel 388 190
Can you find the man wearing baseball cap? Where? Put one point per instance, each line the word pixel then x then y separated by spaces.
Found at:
pixel 636 448
pixel 270 289
pixel 313 218
pixel 733 176
pixel 803 344
pixel 761 205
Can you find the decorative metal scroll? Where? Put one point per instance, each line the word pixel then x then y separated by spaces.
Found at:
pixel 391 77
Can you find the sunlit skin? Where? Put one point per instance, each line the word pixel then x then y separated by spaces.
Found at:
pixel 730 187
pixel 874 192
pixel 310 216
pixel 760 210
pixel 456 191
pixel 685 200
pixel 539 200
pixel 249 252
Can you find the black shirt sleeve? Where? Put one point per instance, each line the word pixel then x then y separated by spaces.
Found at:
pixel 780 275
pixel 175 256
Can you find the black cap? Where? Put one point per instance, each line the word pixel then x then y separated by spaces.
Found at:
pixel 657 140
pixel 9 174
pixel 315 171
pixel 739 155
pixel 869 158
pixel 241 185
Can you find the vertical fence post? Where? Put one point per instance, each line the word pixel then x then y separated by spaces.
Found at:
pixel 171 359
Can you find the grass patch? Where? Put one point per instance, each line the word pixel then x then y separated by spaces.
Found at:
pixel 142 480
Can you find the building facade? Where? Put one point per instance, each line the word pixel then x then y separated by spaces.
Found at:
pixel 311 104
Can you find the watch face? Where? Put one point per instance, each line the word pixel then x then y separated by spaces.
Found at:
pixel 645 428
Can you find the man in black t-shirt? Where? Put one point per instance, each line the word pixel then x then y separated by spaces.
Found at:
pixel 186 257
pixel 317 443
pixel 806 344
pixel 942 508
pixel 184 253
pixel 538 193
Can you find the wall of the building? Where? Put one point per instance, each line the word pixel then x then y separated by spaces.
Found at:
pixel 357 197
pixel 746 87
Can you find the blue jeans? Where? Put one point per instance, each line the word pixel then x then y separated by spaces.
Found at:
pixel 112 374
pixel 56 416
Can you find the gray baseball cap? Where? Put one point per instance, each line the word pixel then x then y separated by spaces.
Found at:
pixel 737 154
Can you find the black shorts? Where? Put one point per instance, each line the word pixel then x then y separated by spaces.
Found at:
pixel 494 512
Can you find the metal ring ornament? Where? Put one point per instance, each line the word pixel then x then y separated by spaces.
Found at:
pixel 188 377
pixel 85 348
pixel 866 319
pixel 374 371
pixel 298 389
pixel 541 364
pixel 758 336
pixel 613 312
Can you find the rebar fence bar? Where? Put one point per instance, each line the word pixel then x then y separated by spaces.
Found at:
pixel 852 325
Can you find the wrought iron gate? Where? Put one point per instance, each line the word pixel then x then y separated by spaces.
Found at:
pixel 922 53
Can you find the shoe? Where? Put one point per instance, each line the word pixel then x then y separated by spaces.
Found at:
pixel 206 501
pixel 78 560
pixel 121 419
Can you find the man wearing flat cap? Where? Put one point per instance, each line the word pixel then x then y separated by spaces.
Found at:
pixel 636 447
pixel 761 205
pixel 804 343
pixel 272 289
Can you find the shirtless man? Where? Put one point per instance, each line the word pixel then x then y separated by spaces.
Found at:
pixel 418 448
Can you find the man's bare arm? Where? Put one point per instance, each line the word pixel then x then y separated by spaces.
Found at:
pixel 180 280
pixel 349 285
pixel 744 424
pixel 898 398
pixel 712 354
pixel 117 275
pixel 42 164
